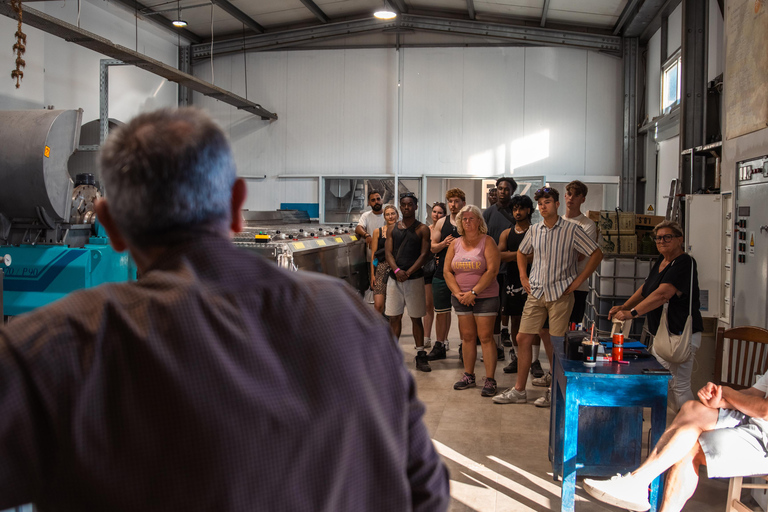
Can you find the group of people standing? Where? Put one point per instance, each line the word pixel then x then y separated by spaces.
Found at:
pixel 509 282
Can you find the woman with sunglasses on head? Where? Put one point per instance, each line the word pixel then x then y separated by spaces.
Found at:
pixel 669 282
pixel 379 266
pixel 438 212
pixel 471 266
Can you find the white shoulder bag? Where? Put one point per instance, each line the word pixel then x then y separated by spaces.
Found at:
pixel 675 348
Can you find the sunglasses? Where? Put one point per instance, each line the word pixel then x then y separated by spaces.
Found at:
pixel 665 238
pixel 407 194
pixel 544 190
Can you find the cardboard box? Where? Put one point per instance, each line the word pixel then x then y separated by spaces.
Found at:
pixel 647 221
pixel 619 244
pixel 613 223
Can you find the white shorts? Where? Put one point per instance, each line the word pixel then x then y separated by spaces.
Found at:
pixel 408 294
pixel 736 446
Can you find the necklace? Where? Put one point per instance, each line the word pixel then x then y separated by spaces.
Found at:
pixel 520 232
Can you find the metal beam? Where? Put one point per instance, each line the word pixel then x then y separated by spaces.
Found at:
pixel 512 35
pixel 399 6
pixel 319 14
pixel 693 92
pixel 629 12
pixel 73 34
pixel 629 150
pixel 648 18
pixel 544 13
pixel 161 21
pixel 471 9
pixel 239 15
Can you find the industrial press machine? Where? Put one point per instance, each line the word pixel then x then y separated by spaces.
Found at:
pixel 50 240
pixel 295 243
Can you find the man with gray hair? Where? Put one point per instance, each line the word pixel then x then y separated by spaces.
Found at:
pixel 189 389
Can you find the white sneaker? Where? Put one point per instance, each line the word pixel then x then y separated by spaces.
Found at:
pixel 620 491
pixel 543 382
pixel 511 396
pixel 427 342
pixel 543 401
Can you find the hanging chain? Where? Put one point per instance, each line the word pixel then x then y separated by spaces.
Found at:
pixel 19 48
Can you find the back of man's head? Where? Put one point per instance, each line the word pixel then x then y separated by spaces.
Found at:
pixel 168 172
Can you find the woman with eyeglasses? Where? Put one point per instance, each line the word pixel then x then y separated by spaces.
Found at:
pixel 669 282
pixel 471 266
pixel 379 266
pixel 438 212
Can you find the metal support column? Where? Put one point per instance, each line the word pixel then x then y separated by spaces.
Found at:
pixel 185 66
pixel 693 94
pixel 629 153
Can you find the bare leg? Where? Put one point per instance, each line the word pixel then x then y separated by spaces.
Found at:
pixel 547 339
pixel 682 479
pixel 468 331
pixel 378 302
pixel 678 441
pixel 396 324
pixel 485 333
pixel 430 316
pixel 442 325
pixel 524 355
pixel 418 332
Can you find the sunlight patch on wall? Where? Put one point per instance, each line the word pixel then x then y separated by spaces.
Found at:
pixel 529 149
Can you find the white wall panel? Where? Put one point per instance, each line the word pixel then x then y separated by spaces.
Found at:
pixel 433 110
pixel 31 93
pixel 715 41
pixel 653 76
pixel 493 99
pixel 669 161
pixel 604 115
pixel 369 110
pixel 555 113
pixel 315 86
pixel 674 30
pixel 66 75
pixel 466 111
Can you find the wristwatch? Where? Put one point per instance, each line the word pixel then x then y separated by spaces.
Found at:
pixel 634 312
pixel 473 292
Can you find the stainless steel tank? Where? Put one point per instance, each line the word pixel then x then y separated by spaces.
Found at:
pixel 328 249
pixel 34 152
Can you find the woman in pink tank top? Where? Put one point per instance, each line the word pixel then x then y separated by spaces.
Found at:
pixel 471 265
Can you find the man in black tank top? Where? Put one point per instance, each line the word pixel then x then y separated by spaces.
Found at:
pixel 444 233
pixel 514 295
pixel 406 250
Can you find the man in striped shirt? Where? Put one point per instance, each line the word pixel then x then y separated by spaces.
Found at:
pixel 554 243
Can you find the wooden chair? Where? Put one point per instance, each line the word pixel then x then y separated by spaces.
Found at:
pixel 736 365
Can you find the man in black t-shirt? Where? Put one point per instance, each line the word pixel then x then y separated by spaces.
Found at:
pixel 498 218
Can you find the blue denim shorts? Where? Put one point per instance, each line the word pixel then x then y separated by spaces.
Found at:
pixel 482 307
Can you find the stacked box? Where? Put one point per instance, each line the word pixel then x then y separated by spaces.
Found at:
pixel 619 244
pixel 616 223
pixel 647 221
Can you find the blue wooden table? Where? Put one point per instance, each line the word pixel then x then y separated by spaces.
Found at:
pixel 599 449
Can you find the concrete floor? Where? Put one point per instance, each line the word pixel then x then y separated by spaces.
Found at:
pixel 497 454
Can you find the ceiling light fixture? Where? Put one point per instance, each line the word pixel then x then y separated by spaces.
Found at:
pixel 178 22
pixel 386 13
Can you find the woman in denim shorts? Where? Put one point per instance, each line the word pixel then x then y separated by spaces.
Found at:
pixel 471 266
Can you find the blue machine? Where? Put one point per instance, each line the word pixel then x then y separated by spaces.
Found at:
pixel 50 241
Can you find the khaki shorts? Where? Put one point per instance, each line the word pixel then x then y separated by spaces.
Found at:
pixel 409 294
pixel 536 311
